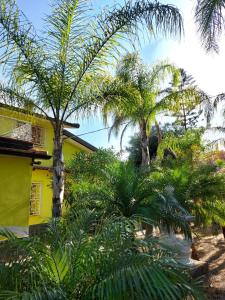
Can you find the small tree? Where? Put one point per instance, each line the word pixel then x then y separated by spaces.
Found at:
pixel 55 73
pixel 187 110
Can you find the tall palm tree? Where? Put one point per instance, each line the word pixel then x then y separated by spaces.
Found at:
pixel 133 94
pixel 209 16
pixel 137 95
pixel 55 71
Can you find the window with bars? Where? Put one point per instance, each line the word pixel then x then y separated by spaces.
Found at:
pixel 35 199
pixel 38 137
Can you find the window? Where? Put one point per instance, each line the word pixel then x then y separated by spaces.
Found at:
pixel 38 136
pixel 35 199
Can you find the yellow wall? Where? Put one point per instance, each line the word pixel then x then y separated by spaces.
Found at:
pixel 43 177
pixel 19 174
pixel 48 140
pixel 69 151
pixel 15 185
pixel 6 125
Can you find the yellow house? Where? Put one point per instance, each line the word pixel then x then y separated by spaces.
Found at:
pixel 26 144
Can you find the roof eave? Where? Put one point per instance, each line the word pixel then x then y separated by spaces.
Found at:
pixel 25 153
pixel 24 111
pixel 79 140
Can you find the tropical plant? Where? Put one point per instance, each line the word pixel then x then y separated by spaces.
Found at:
pixel 137 94
pixel 90 166
pixel 134 148
pixel 121 189
pixel 55 71
pixel 187 146
pixel 198 184
pixel 209 16
pixel 199 189
pixel 134 144
pixel 134 98
pixel 108 264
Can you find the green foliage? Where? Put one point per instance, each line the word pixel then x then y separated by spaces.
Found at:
pixel 203 193
pixel 198 185
pixel 133 95
pixel 186 146
pixel 90 165
pixel 61 71
pixel 109 264
pixel 134 148
pixel 137 94
pixel 209 16
pixel 57 68
pixel 118 188
pixel 188 109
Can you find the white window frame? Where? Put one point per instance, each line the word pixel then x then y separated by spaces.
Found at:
pixel 37 213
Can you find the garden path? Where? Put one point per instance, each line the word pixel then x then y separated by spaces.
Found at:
pixel 211 249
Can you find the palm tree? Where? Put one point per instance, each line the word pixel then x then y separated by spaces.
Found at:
pixel 136 96
pixel 198 184
pixel 209 16
pixel 108 264
pixel 55 71
pixel 134 148
pixel 120 189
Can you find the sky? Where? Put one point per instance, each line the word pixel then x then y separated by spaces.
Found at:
pixel 187 53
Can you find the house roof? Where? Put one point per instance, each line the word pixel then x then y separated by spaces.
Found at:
pixel 24 111
pixel 65 132
pixel 79 140
pixel 20 148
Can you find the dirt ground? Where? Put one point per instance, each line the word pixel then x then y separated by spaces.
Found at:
pixel 211 249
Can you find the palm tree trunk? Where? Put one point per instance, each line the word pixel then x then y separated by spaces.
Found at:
pixel 145 161
pixel 159 133
pixel 58 173
pixel 145 157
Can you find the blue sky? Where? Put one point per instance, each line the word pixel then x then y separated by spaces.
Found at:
pixel 207 69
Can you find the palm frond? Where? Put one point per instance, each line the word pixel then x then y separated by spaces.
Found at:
pixel 108 28
pixel 66 32
pixel 159 73
pixel 217 129
pixel 12 96
pixel 210 20
pixel 103 264
pixel 118 120
pixel 19 40
pixel 122 134
pixel 218 99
